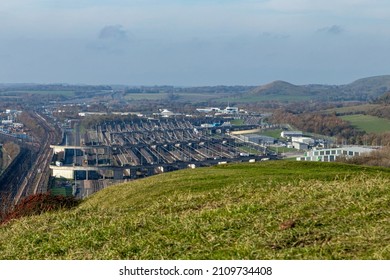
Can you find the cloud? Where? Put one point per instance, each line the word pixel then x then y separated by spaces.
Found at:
pixel 114 32
pixel 334 30
pixel 112 39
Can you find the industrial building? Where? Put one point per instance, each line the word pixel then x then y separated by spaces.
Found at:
pixel 258 139
pixel 332 154
pixel 289 134
pixel 300 145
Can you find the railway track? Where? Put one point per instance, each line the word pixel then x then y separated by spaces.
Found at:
pixel 36 180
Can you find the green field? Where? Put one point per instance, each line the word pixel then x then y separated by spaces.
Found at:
pixel 368 123
pixel 237 122
pixel 65 191
pixel 268 210
pixel 282 149
pixel 275 133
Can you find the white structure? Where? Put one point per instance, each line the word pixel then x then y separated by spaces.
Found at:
pixel 231 110
pixel 288 134
pixel 258 139
pixel 300 145
pixel 208 110
pixel 166 113
pixel 227 110
pixel 85 114
pixel 307 140
pixel 332 154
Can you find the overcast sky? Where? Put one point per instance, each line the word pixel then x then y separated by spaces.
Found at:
pixel 193 42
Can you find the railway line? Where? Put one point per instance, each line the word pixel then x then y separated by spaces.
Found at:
pixel 37 177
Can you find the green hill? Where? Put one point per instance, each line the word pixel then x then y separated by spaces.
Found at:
pixel 360 90
pixel 267 210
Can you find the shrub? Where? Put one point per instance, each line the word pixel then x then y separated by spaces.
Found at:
pixel 37 204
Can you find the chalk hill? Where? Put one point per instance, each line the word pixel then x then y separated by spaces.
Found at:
pixel 363 90
pixel 267 210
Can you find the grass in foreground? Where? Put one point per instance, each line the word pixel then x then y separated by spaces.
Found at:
pixel 269 210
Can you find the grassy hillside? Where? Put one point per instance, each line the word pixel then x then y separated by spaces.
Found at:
pixel 277 90
pixel 375 86
pixel 360 90
pixel 368 123
pixel 268 210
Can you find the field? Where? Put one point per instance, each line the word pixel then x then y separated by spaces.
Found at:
pixel 267 210
pixel 282 149
pixel 275 133
pixel 237 122
pixel 368 123
pixel 61 191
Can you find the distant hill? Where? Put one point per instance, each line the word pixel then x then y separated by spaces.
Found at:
pixel 268 210
pixel 361 90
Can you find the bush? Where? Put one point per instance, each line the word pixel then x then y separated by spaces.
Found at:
pixel 375 158
pixel 37 204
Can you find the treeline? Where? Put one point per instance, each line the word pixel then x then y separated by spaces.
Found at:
pixel 383 108
pixel 331 125
pixel 380 111
pixel 32 124
pixel 53 87
pixel 324 124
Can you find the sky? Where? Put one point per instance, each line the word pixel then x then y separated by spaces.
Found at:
pixel 193 42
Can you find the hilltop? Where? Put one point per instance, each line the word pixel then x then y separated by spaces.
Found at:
pixel 360 90
pixel 268 210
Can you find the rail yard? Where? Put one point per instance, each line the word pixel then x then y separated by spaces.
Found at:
pixel 139 147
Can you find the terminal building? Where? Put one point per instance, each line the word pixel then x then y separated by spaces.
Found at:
pixel 332 154
pixel 258 139
pixel 289 134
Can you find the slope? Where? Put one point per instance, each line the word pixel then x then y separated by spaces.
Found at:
pixel 360 90
pixel 268 210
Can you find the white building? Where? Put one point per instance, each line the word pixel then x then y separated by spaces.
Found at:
pixel 332 154
pixel 227 110
pixel 307 140
pixel 300 145
pixel 231 110
pixel 208 110
pixel 288 134
pixel 258 139
pixel 7 122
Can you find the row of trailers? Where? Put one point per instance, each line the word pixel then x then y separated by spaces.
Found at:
pixel 141 132
pixel 137 161
pixel 194 151
pixel 143 147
